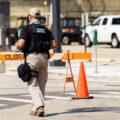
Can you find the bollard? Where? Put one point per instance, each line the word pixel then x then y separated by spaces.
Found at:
pixel 95 41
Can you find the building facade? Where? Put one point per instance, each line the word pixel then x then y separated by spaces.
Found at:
pixel 72 8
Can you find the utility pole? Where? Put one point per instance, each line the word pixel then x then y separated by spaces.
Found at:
pixel 56 24
pixel 57 31
pixel 4 21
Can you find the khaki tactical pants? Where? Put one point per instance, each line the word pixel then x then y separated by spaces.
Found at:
pixel 38 62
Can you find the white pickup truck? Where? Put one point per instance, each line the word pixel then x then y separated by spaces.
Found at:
pixel 108 28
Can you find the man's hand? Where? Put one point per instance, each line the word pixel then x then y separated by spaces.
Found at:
pixel 20 44
pixel 53 44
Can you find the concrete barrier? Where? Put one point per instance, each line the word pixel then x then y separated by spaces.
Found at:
pixel 2 67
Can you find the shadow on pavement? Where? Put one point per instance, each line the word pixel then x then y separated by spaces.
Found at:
pixel 90 109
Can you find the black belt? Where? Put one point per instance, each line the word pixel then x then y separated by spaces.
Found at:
pixel 38 53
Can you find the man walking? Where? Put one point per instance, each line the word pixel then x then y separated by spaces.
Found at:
pixel 36 40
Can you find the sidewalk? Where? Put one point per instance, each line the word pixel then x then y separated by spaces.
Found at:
pixel 104 70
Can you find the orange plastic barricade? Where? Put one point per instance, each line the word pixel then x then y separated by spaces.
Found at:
pixel 58 56
pixel 11 57
pixel 68 79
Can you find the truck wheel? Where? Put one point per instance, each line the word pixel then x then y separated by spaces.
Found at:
pixel 66 40
pixel 115 42
pixel 88 41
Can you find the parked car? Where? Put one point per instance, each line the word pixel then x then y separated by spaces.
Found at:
pixel 107 27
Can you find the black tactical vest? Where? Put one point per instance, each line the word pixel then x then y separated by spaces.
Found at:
pixel 39 41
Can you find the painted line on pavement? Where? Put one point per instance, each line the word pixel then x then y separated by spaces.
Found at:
pixel 26 95
pixel 106 96
pixel 57 97
pixel 117 93
pixel 70 93
pixel 2 105
pixel 49 96
pixel 101 95
pixel 17 100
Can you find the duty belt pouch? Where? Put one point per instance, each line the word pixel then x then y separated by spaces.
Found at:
pixel 25 72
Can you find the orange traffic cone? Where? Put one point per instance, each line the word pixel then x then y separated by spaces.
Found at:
pixel 82 90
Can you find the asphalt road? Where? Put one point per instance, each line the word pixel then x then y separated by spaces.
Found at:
pixel 15 102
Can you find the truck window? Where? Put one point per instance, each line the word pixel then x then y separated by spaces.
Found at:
pixel 70 22
pixel 116 21
pixel 25 23
pixel 105 21
pixel 97 22
pixel 19 23
pixel 64 23
pixel 77 23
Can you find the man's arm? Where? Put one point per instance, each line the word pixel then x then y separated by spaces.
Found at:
pixel 20 44
pixel 53 44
